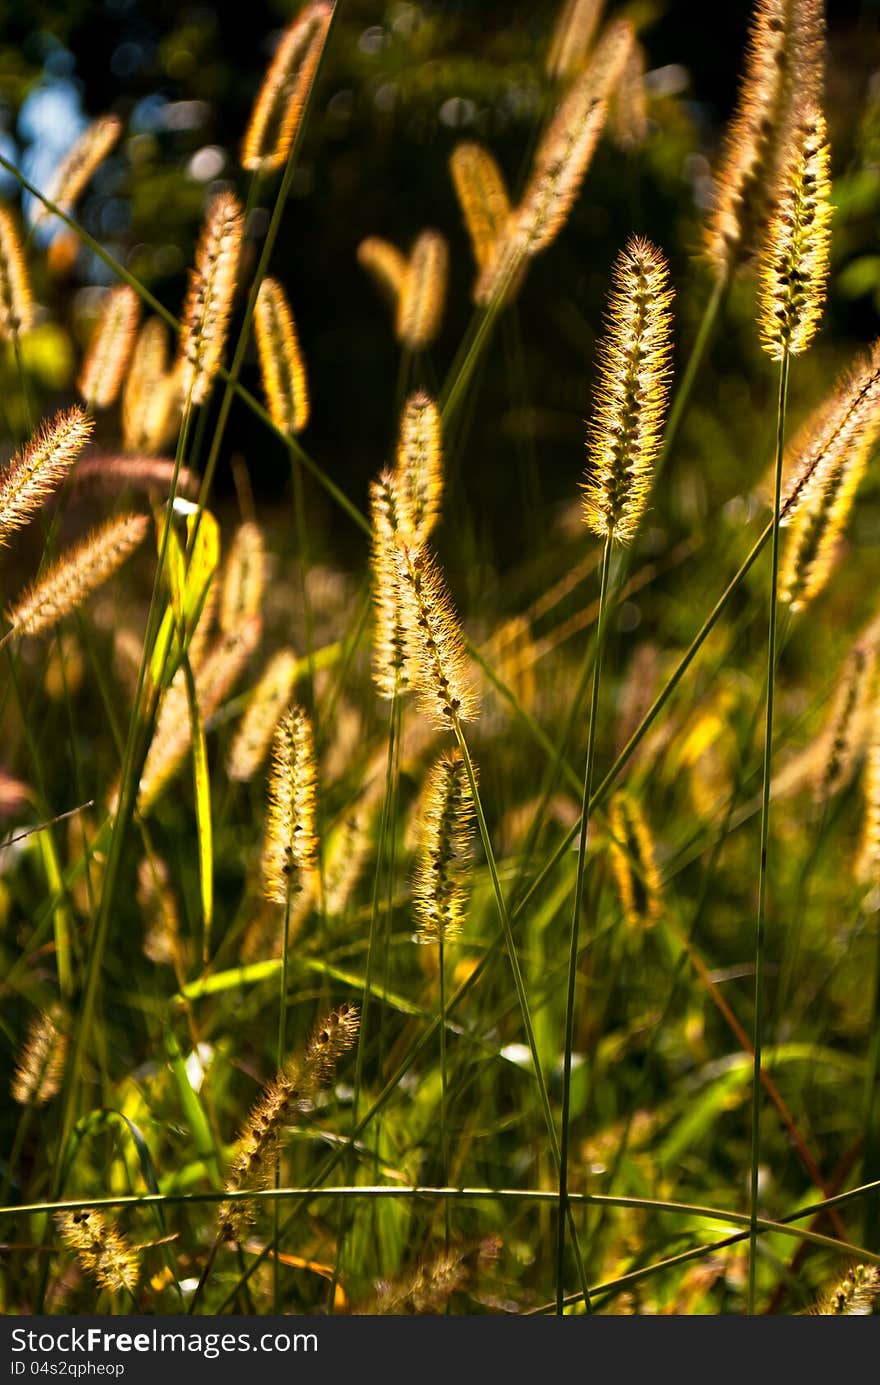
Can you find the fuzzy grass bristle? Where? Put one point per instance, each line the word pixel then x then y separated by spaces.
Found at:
pixel 560 166
pixel 101 1249
pixel 40 1068
pixel 110 347
pixel 439 663
pixel 422 295
pixel 843 737
pixel 40 467
pixel 818 529
pixel 634 862
pixel 82 162
pixel 281 360
pixel 244 578
pixel 110 474
pixel 281 101
pixel 270 697
pixel 290 853
pixel 209 298
pixel 795 260
pixel 76 574
pixel 419 470
pixel 390 646
pixel 445 843
pixel 16 299
pixel 572 37
pixel 290 1094
pixel 784 62
pixel 628 118
pixel 625 430
pixel 483 198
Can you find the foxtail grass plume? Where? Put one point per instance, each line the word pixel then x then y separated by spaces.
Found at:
pixel 429 1288
pixel 150 397
pixel 281 101
pixel 572 37
pixel 16 300
pixel 110 348
pixel 290 853
pixel 438 659
pixel 162 938
pixel 838 429
pixel 348 851
pixel 419 471
pixel 483 198
pixel 385 264
pixel 817 531
pixel 628 120
pixel 244 577
pixel 843 737
pixel 445 839
pixel 855 1295
pixel 423 291
pixel 634 862
pixel 270 698
pixel 40 467
pixel 794 261
pixel 104 1253
pixel 390 649
pixel 216 672
pixel 209 298
pixel 82 161
pixel 784 67
pixel 291 1093
pixel 625 430
pixel 111 474
pixel 76 574
pixel 40 1069
pixel 281 360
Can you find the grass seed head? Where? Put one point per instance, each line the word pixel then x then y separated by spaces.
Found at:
pixel 16 300
pixel 209 298
pixel 82 161
pixel 290 854
pixel 423 291
pixel 281 360
pixel 445 842
pixel 40 1068
pixel 102 1250
pixel 40 467
pixel 110 348
pixel 439 662
pixel 270 698
pixel 634 862
pixel 419 471
pixel 281 101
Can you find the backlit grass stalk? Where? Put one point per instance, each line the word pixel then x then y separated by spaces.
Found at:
pixel 793 273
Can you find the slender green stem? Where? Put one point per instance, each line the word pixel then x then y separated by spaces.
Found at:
pixel 518 981
pixel 444 1085
pixel 760 929
pixel 574 944
pixel 280 1051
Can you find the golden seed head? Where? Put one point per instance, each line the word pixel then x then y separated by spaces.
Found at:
pixel 102 1250
pixel 150 397
pixel 794 261
pixel 847 727
pixel 818 529
pixel 629 102
pixel 855 1295
pixel 560 166
pixel 40 1068
pixel 110 347
pixel 86 156
pixel 626 427
pixel 281 361
pixel 386 264
pixel 209 298
pixel 390 650
pixel 423 291
pixel 156 901
pixel 419 471
pixel 634 862
pixel 111 475
pixel 784 63
pixel 439 664
pixel 841 426
pixel 16 301
pixel 281 101
pixel 483 197
pixel 40 467
pixel 270 697
pixel 445 840
pixel 572 37
pixel 76 574
pixel 290 853
pixel 244 577
pixel 259 1144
